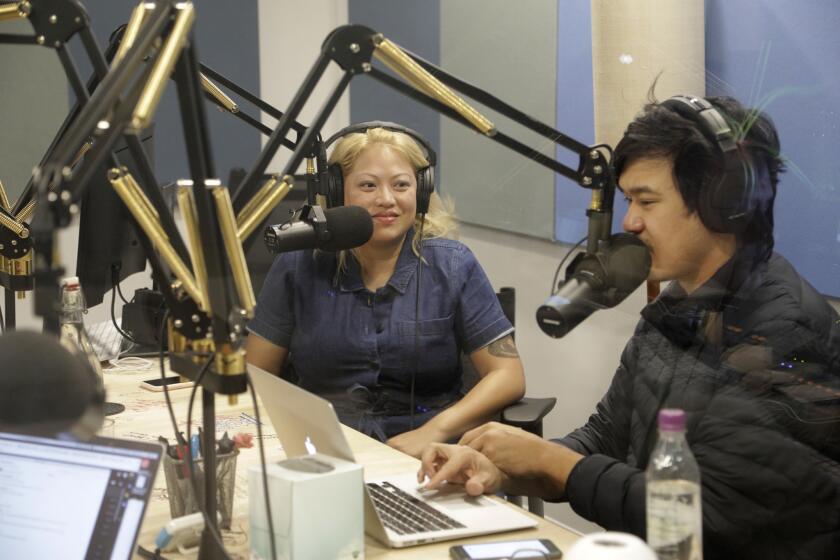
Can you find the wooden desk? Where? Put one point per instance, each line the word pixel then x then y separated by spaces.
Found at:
pixel 146 418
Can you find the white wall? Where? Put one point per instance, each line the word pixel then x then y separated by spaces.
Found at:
pixel 291 34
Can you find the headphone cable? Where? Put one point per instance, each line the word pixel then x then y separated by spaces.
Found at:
pixel 417 317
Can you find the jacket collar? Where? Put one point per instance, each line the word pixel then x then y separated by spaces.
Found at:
pixel 679 316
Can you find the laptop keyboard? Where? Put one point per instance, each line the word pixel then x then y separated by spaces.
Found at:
pixel 406 514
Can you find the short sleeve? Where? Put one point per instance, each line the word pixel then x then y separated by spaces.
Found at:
pixel 480 319
pixel 274 318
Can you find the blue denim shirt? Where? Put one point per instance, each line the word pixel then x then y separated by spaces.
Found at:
pixel 357 347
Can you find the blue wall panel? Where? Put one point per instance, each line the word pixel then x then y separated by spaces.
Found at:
pixel 781 56
pixel 575 113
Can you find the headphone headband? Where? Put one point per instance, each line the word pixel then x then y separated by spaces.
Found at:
pixel 431 156
pixel 726 206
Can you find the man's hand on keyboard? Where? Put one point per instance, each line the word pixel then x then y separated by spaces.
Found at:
pixel 458 464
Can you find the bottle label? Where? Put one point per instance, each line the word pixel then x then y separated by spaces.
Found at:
pixel 674 519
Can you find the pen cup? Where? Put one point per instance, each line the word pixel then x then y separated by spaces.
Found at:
pixel 182 498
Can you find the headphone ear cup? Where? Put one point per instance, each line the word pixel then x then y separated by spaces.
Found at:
pixel 425 188
pixel 335 186
pixel 728 205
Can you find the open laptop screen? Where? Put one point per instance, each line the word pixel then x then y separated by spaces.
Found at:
pixel 69 499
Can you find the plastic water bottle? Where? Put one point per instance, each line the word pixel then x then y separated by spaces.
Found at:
pixel 674 514
pixel 73 334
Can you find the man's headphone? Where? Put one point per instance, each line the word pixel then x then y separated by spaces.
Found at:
pixel 425 175
pixel 727 205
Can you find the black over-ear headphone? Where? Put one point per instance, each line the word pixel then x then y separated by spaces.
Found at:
pixel 425 175
pixel 726 206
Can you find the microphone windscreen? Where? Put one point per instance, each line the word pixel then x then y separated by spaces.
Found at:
pixel 350 227
pixel 628 266
pixel 44 387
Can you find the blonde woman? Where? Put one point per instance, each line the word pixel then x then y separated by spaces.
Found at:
pixel 354 324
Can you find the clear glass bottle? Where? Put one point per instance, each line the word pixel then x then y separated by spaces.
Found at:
pixel 73 334
pixel 674 507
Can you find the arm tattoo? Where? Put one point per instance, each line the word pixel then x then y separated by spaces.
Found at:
pixel 503 348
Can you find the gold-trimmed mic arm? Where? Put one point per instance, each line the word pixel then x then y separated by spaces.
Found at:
pixel 258 197
pixel 186 202
pixel 163 67
pixel 392 56
pixel 233 247
pixel 137 203
pixel 81 153
pixel 4 198
pixel 132 30
pixel 15 10
pixel 13 225
pixel 26 212
pixel 273 195
pixel 217 94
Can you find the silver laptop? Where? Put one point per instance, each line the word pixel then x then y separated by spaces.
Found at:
pixel 69 499
pixel 397 512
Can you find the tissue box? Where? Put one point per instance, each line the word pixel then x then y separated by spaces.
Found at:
pixel 316 505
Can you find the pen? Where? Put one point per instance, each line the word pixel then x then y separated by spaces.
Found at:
pixel 185 468
pixel 195 446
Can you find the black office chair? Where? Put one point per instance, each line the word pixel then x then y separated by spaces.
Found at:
pixel 529 412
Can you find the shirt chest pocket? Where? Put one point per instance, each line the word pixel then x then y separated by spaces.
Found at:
pixel 436 358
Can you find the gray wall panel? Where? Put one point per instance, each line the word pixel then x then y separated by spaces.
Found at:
pixel 33 104
pixel 509 50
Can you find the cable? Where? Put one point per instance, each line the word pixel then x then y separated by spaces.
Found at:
pixel 156 555
pixel 417 317
pixel 560 266
pixel 124 334
pixel 115 287
pixel 115 279
pixel 119 291
pixel 210 526
pixel 263 465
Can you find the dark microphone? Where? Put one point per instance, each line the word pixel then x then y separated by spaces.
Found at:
pixel 595 281
pixel 312 227
pixel 45 389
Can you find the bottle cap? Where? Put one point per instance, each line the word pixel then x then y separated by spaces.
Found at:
pixel 70 281
pixel 672 419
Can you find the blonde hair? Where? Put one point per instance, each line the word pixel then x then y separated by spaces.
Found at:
pixel 440 220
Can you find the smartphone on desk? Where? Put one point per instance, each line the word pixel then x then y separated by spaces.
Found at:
pixel 502 550
pixel 170 381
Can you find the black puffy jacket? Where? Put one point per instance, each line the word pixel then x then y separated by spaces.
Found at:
pixel 753 357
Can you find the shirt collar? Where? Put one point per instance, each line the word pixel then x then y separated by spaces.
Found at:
pixel 351 280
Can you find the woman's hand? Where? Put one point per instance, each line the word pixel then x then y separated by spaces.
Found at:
pixel 413 442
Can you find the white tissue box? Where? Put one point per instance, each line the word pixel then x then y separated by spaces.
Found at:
pixel 316 505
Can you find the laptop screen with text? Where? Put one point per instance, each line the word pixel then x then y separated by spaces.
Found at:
pixel 70 499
